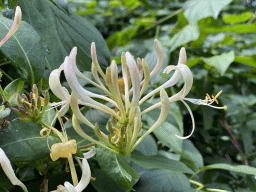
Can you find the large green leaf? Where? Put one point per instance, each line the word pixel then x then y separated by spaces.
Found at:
pixel 198 9
pixel 12 89
pixel 187 34
pixel 162 180
pixel 159 162
pixel 221 62
pixel 22 141
pixel 116 168
pixel 24 49
pixel 61 30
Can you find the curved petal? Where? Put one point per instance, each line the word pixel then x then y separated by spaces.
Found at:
pixel 55 85
pixel 7 167
pixel 82 94
pixel 160 58
pixel 15 25
pixel 135 78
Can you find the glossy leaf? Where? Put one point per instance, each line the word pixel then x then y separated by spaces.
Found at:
pixel 159 162
pixel 61 30
pixel 221 62
pixel 251 61
pixel 198 9
pixel 22 141
pixel 116 168
pixel 24 49
pixel 12 89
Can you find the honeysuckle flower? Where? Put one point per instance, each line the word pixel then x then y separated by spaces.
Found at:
pixel 86 174
pixel 8 170
pixel 15 25
pixel 125 123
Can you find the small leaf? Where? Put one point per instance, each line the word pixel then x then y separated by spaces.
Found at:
pixel 22 141
pixel 116 168
pixel 237 18
pixel 159 162
pixel 131 4
pixel 198 9
pixel 185 35
pixel 221 62
pixel 12 89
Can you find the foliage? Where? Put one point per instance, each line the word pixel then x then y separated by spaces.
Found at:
pixel 220 43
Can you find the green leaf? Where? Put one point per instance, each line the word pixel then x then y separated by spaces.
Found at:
pixel 22 141
pixel 116 168
pixel 159 162
pixel 237 18
pixel 131 4
pixel 162 180
pixel 12 89
pixel 238 168
pixel 251 61
pixel 147 146
pixel 61 30
pixel 221 62
pixel 191 156
pixel 198 9
pixel 187 34
pixel 104 183
pixel 24 49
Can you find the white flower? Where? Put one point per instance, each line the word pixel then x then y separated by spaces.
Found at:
pixel 7 168
pixel 124 96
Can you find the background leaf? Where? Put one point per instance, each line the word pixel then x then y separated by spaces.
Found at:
pixel 198 9
pixel 221 62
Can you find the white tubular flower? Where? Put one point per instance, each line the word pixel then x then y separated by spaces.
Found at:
pixel 86 174
pixel 124 125
pixel 7 168
pixel 58 90
pixel 15 25
pixel 135 78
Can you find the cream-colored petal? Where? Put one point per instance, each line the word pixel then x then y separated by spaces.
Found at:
pixel 15 25
pixel 8 170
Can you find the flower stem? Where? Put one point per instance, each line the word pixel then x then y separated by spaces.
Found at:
pixel 73 169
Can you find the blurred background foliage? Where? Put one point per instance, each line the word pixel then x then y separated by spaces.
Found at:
pixel 220 40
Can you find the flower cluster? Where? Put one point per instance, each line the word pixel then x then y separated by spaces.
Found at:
pixel 123 96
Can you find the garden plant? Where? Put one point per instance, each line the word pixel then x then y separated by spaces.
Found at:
pixel 127 95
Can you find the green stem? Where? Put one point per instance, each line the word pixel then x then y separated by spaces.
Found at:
pixel 73 169
pixel 2 93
